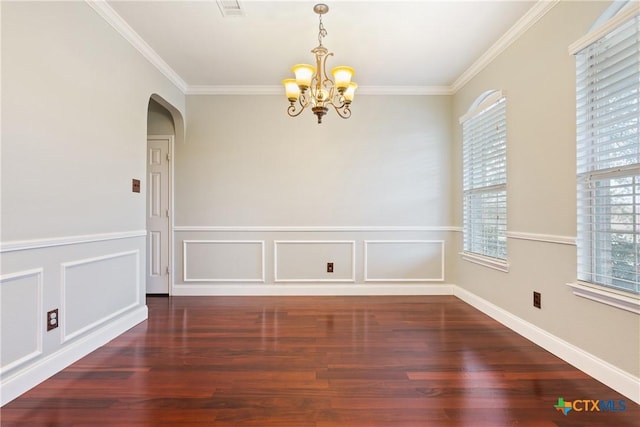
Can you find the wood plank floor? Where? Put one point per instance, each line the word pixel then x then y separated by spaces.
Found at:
pixel 316 361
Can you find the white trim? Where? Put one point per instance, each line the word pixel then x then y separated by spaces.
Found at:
pixel 389 279
pixel 534 14
pixel 313 242
pixel 103 9
pixel 279 90
pixel 612 376
pixel 39 273
pixel 545 238
pixel 277 228
pixel 520 27
pixel 404 90
pixel 314 289
pixel 262 258
pixel 495 263
pixel 622 300
pixel 63 282
pixel 234 90
pixel 22 245
pixel 614 8
pixel 604 29
pixel 24 380
pixel 484 101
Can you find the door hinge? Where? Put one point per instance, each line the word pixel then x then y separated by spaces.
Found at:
pixel 168 270
pixel 168 157
pixel 167 213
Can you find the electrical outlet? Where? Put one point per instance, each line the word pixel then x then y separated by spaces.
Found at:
pixel 329 267
pixel 537 299
pixel 52 319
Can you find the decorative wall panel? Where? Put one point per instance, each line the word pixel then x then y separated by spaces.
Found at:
pixel 21 319
pixel 112 279
pixel 223 260
pixel 306 260
pixel 403 260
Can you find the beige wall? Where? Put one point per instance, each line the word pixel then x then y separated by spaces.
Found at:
pixel 538 75
pixel 159 120
pixel 74 123
pixel 74 105
pixel 381 175
pixel 245 162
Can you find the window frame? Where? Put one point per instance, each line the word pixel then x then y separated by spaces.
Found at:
pixel 484 184
pixel 595 200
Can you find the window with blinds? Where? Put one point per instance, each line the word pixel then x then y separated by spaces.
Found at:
pixel 484 140
pixel 608 157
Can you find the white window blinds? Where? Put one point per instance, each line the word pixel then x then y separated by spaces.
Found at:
pixel 485 179
pixel 608 158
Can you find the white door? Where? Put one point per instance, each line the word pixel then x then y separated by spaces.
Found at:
pixel 158 192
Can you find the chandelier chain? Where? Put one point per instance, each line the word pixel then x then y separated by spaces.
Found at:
pixel 322 32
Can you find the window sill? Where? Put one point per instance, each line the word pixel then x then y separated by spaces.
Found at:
pixel 618 299
pixel 495 263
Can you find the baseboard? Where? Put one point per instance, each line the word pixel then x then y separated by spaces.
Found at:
pixel 619 380
pixel 23 380
pixel 312 289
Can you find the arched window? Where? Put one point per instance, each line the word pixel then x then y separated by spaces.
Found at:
pixel 484 164
pixel 608 149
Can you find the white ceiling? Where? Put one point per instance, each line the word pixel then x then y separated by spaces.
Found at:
pixel 427 43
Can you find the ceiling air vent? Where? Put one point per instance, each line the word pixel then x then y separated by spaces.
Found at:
pixel 230 8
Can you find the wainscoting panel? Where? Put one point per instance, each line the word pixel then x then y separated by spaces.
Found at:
pixel 306 260
pixel 21 319
pixel 404 260
pixel 96 281
pixel 223 260
pixel 113 279
pixel 292 260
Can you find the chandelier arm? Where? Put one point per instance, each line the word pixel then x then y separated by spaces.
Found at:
pixel 305 99
pixel 314 87
pixel 324 70
pixel 344 111
pixel 303 103
pixel 291 110
pixel 341 101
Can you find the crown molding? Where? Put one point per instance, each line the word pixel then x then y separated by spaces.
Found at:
pixel 234 90
pixel 103 9
pixel 404 90
pixel 278 90
pixel 531 17
pixel 534 14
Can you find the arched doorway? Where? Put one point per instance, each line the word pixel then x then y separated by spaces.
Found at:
pixel 164 127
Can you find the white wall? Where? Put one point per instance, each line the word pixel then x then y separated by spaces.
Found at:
pixel 538 75
pixel 74 103
pixel 250 172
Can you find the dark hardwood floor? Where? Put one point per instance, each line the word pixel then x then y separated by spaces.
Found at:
pixel 317 361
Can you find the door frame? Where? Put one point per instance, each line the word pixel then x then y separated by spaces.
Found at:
pixel 170 254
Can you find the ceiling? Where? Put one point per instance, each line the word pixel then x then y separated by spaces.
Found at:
pixel 425 44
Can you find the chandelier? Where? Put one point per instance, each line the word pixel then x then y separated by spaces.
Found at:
pixel 313 88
